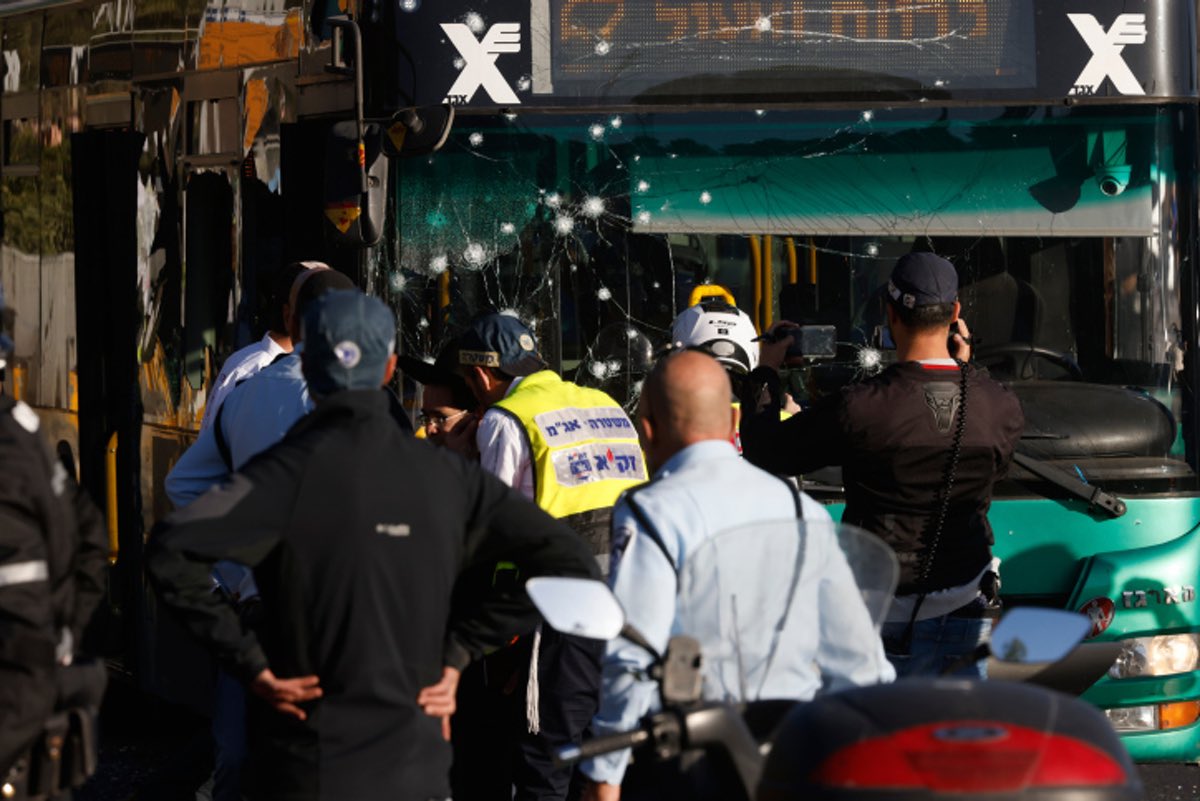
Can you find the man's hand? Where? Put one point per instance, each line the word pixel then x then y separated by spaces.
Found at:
pixel 285 694
pixel 960 340
pixel 438 700
pixel 773 346
pixel 600 791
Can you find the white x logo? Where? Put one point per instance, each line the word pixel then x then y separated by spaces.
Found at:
pixel 480 61
pixel 1106 48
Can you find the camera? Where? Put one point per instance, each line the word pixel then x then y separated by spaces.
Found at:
pixel 810 341
pixel 1113 178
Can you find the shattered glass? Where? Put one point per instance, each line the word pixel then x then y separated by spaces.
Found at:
pixel 597 229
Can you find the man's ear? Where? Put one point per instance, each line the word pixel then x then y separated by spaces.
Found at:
pixel 292 323
pixel 477 381
pixel 957 312
pixel 646 430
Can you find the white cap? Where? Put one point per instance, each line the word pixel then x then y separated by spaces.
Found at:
pixel 720 330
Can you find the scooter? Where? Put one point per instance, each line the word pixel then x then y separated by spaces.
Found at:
pixel 913 740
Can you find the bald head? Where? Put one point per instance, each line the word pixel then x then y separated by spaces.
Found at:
pixel 685 400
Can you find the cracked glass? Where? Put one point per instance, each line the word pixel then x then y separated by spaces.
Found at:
pixel 597 229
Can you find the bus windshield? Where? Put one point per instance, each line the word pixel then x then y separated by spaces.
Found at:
pixel 598 229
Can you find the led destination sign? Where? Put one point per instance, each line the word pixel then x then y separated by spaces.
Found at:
pixel 500 54
pixel 928 43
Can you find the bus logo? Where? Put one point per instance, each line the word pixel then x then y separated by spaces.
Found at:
pixel 1106 46
pixel 479 61
pixel 1099 612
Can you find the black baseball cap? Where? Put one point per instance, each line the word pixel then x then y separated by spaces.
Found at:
pixel 442 372
pixel 501 341
pixel 923 279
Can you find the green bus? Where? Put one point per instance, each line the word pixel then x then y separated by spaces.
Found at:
pixel 610 159
pixel 594 165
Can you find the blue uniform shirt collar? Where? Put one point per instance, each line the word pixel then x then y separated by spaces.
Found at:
pixel 698 453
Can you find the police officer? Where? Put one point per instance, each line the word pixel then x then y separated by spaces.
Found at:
pixel 921 446
pixel 358 534
pixel 52 574
pixel 700 490
pixel 573 450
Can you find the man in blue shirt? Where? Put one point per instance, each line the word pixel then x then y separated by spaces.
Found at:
pixel 245 362
pixel 258 411
pixel 665 582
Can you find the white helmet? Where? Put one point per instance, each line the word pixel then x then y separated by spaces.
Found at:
pixel 720 330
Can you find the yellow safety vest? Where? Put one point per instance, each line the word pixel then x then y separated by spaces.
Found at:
pixel 585 449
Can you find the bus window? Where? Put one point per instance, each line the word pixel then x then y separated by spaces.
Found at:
pixel 591 229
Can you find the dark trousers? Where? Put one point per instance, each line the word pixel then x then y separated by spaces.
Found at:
pixel 493 749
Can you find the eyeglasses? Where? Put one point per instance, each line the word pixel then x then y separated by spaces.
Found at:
pixel 434 419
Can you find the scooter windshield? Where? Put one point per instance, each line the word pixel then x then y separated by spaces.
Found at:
pixel 767 601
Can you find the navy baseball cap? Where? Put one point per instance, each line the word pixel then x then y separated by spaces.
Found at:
pixel 348 338
pixel 923 279
pixel 501 341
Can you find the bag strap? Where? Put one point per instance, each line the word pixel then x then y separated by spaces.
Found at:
pixel 938 523
pixel 222 443
pixel 652 532
pixel 797 499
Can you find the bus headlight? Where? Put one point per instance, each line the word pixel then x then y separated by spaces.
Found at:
pixel 1164 655
pixel 1158 717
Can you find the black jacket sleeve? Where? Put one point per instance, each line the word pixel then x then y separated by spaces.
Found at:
pixel 241 521
pixel 506 527
pixel 804 442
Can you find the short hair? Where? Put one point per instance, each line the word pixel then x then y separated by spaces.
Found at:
pixel 277 294
pixel 316 285
pixel 460 394
pixel 923 318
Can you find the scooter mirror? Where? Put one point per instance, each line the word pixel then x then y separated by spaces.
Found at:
pixel 581 607
pixel 1028 636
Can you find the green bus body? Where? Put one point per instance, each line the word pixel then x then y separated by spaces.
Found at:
pixel 1049 547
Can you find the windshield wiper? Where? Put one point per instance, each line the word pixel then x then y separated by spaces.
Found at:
pixel 1095 496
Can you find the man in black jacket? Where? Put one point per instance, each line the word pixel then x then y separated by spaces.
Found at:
pixel 357 534
pixel 921 446
pixel 52 577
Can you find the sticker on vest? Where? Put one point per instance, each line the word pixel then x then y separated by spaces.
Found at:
pixel 564 426
pixel 597 461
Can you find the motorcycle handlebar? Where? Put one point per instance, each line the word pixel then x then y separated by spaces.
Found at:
pixel 570 754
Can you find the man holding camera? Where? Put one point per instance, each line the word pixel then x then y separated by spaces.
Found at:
pixel 921 446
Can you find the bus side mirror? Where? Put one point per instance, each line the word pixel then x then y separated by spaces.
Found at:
pixel 418 131
pixel 355 184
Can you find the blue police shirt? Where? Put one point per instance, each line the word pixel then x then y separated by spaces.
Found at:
pixel 254 416
pixel 820 636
